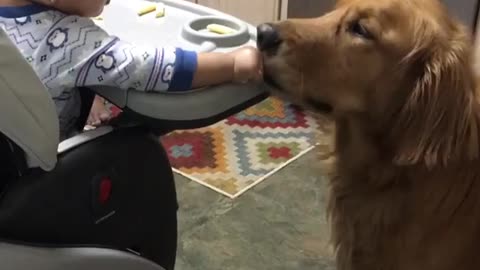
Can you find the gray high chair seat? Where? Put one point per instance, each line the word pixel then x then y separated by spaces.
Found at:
pixel 104 199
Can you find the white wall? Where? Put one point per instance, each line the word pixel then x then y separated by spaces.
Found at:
pixel 252 11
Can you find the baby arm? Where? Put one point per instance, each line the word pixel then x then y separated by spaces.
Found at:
pixel 83 55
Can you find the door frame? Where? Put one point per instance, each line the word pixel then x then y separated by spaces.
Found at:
pixel 283 9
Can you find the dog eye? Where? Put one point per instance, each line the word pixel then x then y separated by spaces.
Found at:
pixel 360 30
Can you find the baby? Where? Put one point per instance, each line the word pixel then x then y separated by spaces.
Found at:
pixel 69 51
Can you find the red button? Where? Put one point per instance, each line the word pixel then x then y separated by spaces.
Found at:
pixel 105 190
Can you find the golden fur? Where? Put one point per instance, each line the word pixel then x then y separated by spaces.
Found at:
pixel 406 193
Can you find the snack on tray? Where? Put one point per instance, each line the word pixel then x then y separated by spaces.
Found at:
pixel 147 9
pixel 161 11
pixel 220 29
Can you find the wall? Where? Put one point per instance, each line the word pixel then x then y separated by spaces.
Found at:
pixel 308 8
pixel 465 10
pixel 252 11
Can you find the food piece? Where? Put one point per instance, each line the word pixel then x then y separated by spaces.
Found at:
pixel 161 11
pixel 147 9
pixel 160 14
pixel 220 29
pixel 98 18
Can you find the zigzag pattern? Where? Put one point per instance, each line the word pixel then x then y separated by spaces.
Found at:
pixel 14 31
pixel 207 146
pixel 123 74
pixel 269 108
pixel 291 118
pixel 273 153
pixel 243 154
pixel 68 52
pixel 20 38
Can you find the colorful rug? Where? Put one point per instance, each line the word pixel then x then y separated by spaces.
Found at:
pixel 236 154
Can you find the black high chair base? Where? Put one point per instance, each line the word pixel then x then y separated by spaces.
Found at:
pixel 116 191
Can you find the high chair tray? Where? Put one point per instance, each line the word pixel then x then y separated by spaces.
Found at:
pixel 183 24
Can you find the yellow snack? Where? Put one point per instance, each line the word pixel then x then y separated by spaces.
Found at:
pixel 219 29
pixel 161 12
pixel 147 10
pixel 98 18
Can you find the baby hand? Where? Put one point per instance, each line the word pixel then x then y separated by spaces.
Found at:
pixel 99 113
pixel 248 65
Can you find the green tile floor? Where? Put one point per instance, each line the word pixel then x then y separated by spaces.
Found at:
pixel 280 224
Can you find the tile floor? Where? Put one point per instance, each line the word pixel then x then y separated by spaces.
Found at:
pixel 280 224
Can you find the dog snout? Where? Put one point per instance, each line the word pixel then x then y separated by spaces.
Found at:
pixel 268 37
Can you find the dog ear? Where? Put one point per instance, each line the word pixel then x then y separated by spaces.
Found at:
pixel 438 123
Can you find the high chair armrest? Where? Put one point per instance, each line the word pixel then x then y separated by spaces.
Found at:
pixel 192 109
pixel 16 257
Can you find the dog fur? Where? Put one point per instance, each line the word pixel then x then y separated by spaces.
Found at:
pixel 397 77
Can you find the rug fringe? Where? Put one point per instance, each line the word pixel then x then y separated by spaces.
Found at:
pixel 202 183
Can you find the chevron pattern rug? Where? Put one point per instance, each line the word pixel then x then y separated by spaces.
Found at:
pixel 236 154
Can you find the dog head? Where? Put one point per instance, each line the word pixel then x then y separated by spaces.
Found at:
pixel 403 64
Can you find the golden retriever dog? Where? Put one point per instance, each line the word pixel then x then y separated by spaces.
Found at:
pixel 397 77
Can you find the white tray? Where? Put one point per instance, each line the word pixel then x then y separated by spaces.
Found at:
pixel 183 25
pixel 178 28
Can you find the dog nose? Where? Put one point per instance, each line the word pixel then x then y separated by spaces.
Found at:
pixel 267 37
